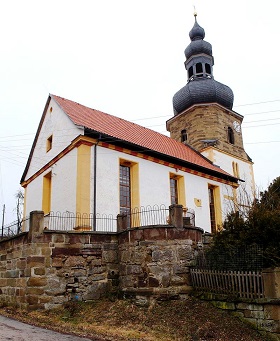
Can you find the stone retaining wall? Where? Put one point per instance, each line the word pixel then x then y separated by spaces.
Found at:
pixel 262 314
pixel 43 269
pixel 156 261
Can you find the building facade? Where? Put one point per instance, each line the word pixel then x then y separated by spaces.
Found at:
pixel 83 160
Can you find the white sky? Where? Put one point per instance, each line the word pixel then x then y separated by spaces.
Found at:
pixel 126 58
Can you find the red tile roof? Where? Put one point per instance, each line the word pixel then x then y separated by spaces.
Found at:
pixel 133 133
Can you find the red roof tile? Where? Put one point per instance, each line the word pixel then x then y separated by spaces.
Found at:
pixel 132 133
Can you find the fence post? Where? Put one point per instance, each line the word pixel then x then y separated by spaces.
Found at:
pixel 271 283
pixel 176 215
pixel 36 226
pixel 121 222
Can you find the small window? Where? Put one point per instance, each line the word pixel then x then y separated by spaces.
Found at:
pixel 230 135
pixel 184 135
pixel 49 143
pixel 199 68
pixel 190 71
pixel 208 68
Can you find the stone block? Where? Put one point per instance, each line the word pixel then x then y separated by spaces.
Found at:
pixel 34 291
pixel 163 256
pixel 272 312
pixel 32 299
pixel 21 264
pixel 36 282
pixel 110 256
pixel 271 326
pixel 57 262
pixel 257 314
pixel 33 261
pixel 249 306
pixel 133 269
pixel 73 261
pixel 224 305
pixel 39 271
pixel 12 274
pixel 55 287
pixel 58 238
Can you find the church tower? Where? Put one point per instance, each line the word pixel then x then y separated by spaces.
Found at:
pixel 203 116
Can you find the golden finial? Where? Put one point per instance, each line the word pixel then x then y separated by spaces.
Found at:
pixel 194 12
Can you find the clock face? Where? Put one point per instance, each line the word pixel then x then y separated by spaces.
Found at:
pixel 236 127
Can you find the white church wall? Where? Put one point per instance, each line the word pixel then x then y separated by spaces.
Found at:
pixel 63 131
pixel 64 182
pixel 154 186
pixel 33 196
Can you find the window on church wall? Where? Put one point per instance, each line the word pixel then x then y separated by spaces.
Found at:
pixel 173 191
pixel 125 189
pixel 129 191
pixel 184 135
pixel 230 135
pixel 190 72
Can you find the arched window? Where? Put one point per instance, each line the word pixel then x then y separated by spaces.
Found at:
pixel 199 70
pixel 190 71
pixel 230 135
pixel 184 135
pixel 208 68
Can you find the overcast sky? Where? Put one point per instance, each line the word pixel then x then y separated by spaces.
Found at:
pixel 126 58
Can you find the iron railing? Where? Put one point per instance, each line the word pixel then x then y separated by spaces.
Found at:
pixel 14 228
pixel 148 216
pixel 68 221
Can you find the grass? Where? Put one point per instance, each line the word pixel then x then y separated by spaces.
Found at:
pixel 180 320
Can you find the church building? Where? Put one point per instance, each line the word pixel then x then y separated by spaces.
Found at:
pixel 88 162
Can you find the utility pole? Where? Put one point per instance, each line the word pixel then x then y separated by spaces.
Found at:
pixel 3 219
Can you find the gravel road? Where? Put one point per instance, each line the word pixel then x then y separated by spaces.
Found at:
pixel 17 331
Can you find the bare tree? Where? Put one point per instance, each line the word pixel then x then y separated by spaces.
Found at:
pixel 19 208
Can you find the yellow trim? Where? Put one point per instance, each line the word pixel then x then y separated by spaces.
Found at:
pixel 47 192
pixel 83 179
pixel 180 188
pixel 217 206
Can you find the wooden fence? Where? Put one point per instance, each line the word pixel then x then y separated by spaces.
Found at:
pixel 244 284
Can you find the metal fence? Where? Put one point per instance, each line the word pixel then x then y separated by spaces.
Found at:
pixel 68 221
pixel 243 284
pixel 14 228
pixel 148 216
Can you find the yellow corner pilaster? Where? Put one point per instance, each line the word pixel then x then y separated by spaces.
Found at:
pixel 83 179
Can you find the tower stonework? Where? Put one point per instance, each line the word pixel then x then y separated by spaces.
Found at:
pixel 208 125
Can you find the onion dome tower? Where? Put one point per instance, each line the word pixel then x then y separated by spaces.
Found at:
pixel 201 86
pixel 203 115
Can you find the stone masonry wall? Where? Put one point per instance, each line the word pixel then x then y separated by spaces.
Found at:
pixel 43 269
pixel 57 267
pixel 208 122
pixel 156 261
pixel 262 314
